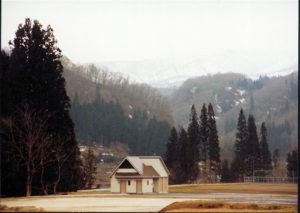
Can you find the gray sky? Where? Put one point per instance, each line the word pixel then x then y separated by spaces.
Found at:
pixel 93 31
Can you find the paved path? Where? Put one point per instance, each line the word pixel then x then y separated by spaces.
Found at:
pixel 131 203
pixel 98 204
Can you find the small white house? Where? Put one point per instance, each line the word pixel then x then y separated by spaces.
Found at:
pixel 140 174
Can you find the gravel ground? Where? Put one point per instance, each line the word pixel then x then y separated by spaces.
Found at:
pixel 131 203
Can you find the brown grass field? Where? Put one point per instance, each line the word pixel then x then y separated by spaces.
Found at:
pixel 209 206
pixel 252 188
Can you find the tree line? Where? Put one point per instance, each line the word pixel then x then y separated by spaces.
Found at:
pixel 194 153
pixel 251 152
pixel 252 156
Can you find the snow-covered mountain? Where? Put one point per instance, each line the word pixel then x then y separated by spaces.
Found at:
pixel 170 72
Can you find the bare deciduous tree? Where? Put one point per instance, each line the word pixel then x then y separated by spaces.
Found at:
pixel 28 140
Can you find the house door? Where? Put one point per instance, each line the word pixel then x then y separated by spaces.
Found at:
pixel 139 186
pixel 123 186
pixel 156 185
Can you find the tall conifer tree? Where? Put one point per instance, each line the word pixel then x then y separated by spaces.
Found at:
pixel 36 69
pixel 213 143
pixel 171 148
pixel 203 135
pixel 252 148
pixel 193 141
pixel 265 155
pixel 183 150
pixel 238 165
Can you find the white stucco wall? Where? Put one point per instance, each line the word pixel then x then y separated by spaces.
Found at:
pixel 126 171
pixel 132 187
pixel 114 184
pixel 147 188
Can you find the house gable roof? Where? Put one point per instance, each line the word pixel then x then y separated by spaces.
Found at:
pixel 146 165
pixel 157 163
pixel 133 163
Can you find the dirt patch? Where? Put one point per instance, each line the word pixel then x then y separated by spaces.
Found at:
pixel 250 188
pixel 4 208
pixel 210 206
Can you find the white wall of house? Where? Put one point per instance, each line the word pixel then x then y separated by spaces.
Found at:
pixel 114 184
pixel 147 185
pixel 132 187
pixel 126 170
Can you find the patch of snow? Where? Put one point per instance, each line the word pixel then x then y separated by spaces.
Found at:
pixel 216 98
pixel 228 88
pixel 130 116
pixel 242 100
pixel 219 108
pixel 130 107
pixel 242 92
pixel 268 112
pixel 236 94
pixel 193 90
pixel 216 117
pixel 236 102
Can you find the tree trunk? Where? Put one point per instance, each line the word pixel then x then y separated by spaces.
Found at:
pixel 57 180
pixel 28 182
pixel 45 187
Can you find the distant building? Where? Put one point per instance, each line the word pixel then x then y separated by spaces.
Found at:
pixel 140 174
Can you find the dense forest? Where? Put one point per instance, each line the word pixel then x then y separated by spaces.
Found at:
pixel 193 154
pixel 104 123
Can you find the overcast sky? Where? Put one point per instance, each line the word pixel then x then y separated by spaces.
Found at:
pixel 93 31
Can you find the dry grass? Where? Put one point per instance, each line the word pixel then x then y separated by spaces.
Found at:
pixel 4 208
pixel 210 206
pixel 259 188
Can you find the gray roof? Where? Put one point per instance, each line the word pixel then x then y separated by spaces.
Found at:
pixel 140 166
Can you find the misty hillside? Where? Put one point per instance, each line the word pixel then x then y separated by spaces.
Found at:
pixel 106 109
pixel 114 87
pixel 274 100
pixel 271 99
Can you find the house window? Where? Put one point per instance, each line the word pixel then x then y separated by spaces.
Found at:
pixel 129 183
pixel 147 182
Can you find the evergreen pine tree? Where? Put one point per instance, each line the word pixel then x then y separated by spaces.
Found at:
pixel 225 172
pixel 35 73
pixel 192 149
pixel 182 168
pixel 171 156
pixel 213 144
pixel 252 148
pixel 238 165
pixel 203 138
pixel 265 155
pixel 292 163
pixel 171 148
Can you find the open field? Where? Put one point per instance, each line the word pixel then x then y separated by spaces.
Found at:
pixel 209 206
pixel 231 196
pixel 250 188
